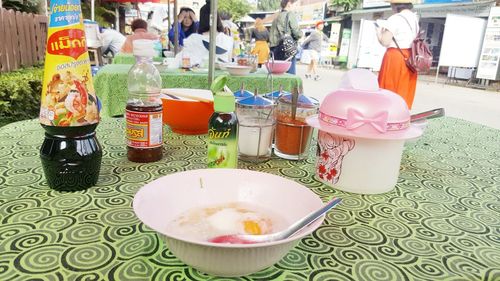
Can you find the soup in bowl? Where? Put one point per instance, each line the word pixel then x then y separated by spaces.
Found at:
pixel 189 208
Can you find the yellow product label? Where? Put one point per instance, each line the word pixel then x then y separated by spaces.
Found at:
pixel 68 96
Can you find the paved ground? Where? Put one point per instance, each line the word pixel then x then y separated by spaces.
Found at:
pixel 474 105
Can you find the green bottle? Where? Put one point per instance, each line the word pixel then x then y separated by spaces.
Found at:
pixel 223 133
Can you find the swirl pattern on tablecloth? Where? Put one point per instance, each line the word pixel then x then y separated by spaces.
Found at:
pixel 442 221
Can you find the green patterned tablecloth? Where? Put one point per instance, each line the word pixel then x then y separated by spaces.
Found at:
pixel 111 84
pixel 129 59
pixel 442 221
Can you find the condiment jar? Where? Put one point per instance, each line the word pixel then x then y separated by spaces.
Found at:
pixel 242 94
pixel 256 128
pixel 276 94
pixel 293 134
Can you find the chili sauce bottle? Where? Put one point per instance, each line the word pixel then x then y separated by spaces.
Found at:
pixel 144 108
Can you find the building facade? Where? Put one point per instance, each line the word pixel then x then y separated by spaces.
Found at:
pixel 432 14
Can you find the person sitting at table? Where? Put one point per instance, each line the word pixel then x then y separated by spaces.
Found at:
pixel 187 25
pixel 111 40
pixel 196 46
pixel 140 30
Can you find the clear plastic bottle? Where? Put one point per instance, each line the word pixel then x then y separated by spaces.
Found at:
pixel 144 107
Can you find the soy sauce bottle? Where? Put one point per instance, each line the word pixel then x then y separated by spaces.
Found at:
pixel 70 153
pixel 144 107
pixel 223 133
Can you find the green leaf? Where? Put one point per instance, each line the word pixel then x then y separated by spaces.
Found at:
pixel 237 8
pixel 20 93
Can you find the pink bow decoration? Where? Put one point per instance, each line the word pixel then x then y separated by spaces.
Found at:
pixel 356 119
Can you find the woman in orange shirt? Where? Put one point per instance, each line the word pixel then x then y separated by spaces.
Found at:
pixel 403 27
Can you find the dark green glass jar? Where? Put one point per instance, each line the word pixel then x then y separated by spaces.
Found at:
pixel 71 157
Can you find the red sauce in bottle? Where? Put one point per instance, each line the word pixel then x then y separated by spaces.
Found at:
pixel 144 132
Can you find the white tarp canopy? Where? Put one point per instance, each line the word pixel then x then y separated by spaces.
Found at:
pixel 246 18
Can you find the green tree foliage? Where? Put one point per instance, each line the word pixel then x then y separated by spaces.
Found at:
pixel 268 5
pixel 237 8
pixel 28 6
pixel 347 5
pixel 20 93
pixel 104 13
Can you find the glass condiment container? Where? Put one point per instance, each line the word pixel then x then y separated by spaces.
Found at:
pixel 242 60
pixel 276 94
pixel 253 62
pixel 242 93
pixel 293 134
pixel 256 119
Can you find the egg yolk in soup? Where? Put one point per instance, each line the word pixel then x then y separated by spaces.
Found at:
pixel 233 218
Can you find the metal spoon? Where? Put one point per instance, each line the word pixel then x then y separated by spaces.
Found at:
pixel 291 230
pixel 438 112
pixel 295 99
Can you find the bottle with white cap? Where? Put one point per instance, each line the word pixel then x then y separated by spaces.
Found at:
pixel 144 107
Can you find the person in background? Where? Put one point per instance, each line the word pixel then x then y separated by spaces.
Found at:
pixel 231 30
pixel 282 23
pixel 112 41
pixel 312 45
pixel 155 20
pixel 188 25
pixel 261 36
pixel 139 28
pixel 403 26
pixel 151 29
pixel 197 50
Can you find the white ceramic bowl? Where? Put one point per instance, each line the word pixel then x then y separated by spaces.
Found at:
pixel 165 199
pixel 238 70
pixel 220 65
pixel 168 54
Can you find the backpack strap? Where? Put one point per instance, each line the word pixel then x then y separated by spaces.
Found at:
pixel 397 45
pixel 394 39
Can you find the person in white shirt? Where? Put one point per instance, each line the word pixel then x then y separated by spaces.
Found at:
pixel 231 30
pixel 401 27
pixel 155 20
pixel 112 41
pixel 195 46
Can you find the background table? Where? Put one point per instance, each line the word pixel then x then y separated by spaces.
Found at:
pixel 130 59
pixel 111 84
pixel 442 221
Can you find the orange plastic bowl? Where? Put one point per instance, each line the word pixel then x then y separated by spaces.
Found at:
pixel 187 117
